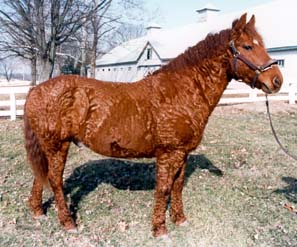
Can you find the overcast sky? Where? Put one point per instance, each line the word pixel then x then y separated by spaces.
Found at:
pixel 175 13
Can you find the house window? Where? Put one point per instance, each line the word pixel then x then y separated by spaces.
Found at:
pixel 281 62
pixel 149 53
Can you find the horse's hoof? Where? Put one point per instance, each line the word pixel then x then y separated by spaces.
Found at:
pixel 184 224
pixel 72 230
pixel 40 217
pixel 70 226
pixel 165 239
pixel 159 232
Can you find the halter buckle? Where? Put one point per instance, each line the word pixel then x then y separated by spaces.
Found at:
pixel 233 48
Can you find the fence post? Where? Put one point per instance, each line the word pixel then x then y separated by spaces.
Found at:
pixel 292 93
pixel 253 95
pixel 12 106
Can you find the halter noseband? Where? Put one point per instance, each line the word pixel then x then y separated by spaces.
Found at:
pixel 258 69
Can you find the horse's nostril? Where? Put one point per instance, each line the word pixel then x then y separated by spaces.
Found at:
pixel 276 82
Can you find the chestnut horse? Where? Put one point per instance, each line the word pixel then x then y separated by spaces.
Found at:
pixel 162 115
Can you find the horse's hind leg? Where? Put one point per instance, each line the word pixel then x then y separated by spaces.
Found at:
pixel 55 176
pixel 35 201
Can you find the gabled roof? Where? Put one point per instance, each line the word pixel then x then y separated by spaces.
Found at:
pixel 275 21
pixel 208 6
pixel 126 52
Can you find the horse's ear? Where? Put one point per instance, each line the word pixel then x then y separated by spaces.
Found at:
pixel 239 25
pixel 252 21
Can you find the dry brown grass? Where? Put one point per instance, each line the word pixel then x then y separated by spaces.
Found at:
pixel 238 182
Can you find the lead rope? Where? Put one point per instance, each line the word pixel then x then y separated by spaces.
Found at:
pixel 274 132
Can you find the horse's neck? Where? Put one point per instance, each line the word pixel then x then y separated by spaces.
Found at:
pixel 200 84
pixel 205 67
pixel 211 80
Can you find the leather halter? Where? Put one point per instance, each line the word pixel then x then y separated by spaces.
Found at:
pixel 258 69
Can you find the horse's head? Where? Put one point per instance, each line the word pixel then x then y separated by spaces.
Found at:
pixel 250 61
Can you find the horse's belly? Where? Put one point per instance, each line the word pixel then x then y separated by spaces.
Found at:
pixel 117 149
pixel 121 140
pixel 120 127
pixel 123 148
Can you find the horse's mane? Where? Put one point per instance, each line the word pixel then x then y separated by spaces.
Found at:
pixel 212 46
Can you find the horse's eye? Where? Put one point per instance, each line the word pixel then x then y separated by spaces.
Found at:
pixel 248 47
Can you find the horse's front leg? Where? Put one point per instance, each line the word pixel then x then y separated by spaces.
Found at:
pixel 176 210
pixel 169 164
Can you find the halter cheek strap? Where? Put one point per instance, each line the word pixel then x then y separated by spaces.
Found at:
pixel 258 69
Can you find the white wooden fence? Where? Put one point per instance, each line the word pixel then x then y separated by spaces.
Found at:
pixel 246 95
pixel 230 96
pixel 11 106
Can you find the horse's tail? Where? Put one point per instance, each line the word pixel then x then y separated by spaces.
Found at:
pixel 35 154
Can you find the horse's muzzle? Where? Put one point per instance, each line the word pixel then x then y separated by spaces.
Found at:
pixel 277 82
pixel 273 86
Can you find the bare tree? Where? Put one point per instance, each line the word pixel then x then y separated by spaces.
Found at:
pixel 69 53
pixel 34 29
pixel 128 31
pixel 98 30
pixel 8 71
pixel 114 20
pixel 39 30
pixel 17 33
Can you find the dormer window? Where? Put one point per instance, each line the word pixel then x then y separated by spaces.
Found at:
pixel 281 62
pixel 149 53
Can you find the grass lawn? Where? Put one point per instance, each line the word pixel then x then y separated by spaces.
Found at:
pixel 241 190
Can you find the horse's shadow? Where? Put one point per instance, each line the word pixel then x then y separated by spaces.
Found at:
pixel 289 191
pixel 121 174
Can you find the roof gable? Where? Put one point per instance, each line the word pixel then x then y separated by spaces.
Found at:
pixel 127 52
pixel 148 45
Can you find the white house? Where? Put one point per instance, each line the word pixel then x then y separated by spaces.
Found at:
pixel 132 60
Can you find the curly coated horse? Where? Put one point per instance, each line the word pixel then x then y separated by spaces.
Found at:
pixel 162 115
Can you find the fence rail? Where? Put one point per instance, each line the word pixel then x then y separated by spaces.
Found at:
pixel 233 96
pixel 9 108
